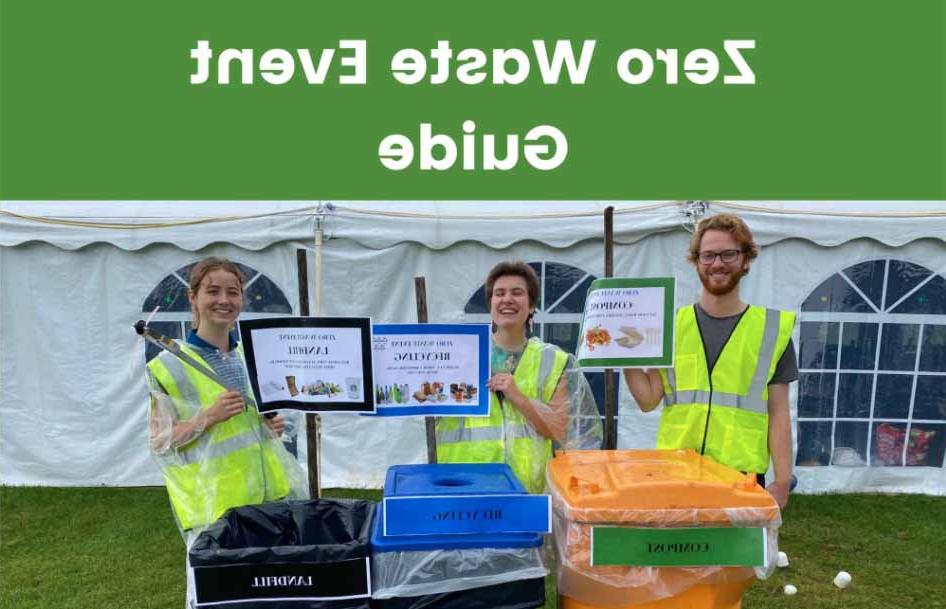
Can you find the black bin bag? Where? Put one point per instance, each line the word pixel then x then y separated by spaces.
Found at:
pixel 286 555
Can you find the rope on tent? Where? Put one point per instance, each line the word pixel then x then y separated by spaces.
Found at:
pixel 494 216
pixel 849 214
pixel 314 210
pixel 152 225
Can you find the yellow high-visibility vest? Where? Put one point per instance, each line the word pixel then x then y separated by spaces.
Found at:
pixel 724 415
pixel 230 465
pixel 506 436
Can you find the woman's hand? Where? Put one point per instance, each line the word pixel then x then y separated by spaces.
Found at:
pixel 227 405
pixel 276 423
pixel 505 383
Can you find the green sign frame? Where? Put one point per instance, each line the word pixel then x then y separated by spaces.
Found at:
pixel 684 547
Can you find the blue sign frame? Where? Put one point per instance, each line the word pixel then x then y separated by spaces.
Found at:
pixel 478 407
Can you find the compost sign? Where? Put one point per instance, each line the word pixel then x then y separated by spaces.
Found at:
pixel 688 547
pixel 628 323
pixel 313 364
pixel 431 369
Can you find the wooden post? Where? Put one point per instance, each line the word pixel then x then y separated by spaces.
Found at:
pixel 420 295
pixel 313 422
pixel 610 388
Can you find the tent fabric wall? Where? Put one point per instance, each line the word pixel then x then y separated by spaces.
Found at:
pixel 72 405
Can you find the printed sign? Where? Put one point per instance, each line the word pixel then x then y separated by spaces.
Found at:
pixel 275 584
pixel 695 547
pixel 458 514
pixel 628 323
pixel 314 364
pixel 431 369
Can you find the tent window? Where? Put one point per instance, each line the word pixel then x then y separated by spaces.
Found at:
pixel 872 368
pixel 262 298
pixel 558 314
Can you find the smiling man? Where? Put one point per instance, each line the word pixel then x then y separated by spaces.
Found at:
pixel 727 393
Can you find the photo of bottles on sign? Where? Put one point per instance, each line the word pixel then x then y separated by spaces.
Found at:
pixel 432 392
pixel 430 369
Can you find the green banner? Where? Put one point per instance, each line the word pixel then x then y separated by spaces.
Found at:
pixel 730 547
pixel 290 99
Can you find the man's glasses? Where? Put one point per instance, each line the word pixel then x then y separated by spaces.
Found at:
pixel 726 256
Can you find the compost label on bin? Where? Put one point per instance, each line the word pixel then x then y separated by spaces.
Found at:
pixel 696 547
pixel 312 581
pixel 458 514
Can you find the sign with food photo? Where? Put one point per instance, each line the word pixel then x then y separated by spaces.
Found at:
pixel 628 323
pixel 431 369
pixel 313 364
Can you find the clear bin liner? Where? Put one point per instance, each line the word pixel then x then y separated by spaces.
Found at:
pixel 425 572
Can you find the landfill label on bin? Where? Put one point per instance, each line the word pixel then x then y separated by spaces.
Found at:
pixel 467 514
pixel 271 582
pixel 691 547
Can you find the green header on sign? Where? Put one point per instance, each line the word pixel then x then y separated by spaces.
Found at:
pixel 107 99
pixel 730 547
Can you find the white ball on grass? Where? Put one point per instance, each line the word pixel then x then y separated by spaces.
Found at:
pixel 790 590
pixel 782 560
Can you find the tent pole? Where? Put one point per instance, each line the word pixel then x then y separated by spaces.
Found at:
pixel 420 295
pixel 313 425
pixel 610 389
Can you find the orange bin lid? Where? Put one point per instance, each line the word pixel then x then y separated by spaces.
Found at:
pixel 663 488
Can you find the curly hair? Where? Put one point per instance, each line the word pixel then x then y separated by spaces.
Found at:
pixel 730 223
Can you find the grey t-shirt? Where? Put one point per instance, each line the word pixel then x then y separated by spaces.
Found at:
pixel 716 331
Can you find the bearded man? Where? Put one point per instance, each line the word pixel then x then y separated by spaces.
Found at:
pixel 727 394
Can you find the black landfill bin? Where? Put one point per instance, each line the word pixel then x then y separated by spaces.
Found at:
pixel 286 555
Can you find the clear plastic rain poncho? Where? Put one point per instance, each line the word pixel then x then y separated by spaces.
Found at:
pixel 650 489
pixel 209 469
pixel 570 417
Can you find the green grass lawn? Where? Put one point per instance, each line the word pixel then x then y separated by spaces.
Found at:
pixel 105 548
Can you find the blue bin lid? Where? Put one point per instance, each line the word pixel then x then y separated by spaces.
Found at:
pixel 451 479
pixel 404 543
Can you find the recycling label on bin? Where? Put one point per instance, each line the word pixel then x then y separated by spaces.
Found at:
pixel 696 547
pixel 272 582
pixel 458 514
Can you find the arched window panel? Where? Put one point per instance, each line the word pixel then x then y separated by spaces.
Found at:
pixel 171 329
pixel 859 346
pixel 477 303
pixel 933 351
pixel 854 393
pixel 563 291
pixel 902 277
pixel 574 301
pixel 898 346
pixel 170 295
pixel 892 396
pixel 819 344
pixel 930 299
pixel 261 295
pixel 264 296
pixel 837 296
pixel 869 278
pixel 816 395
pixel 563 280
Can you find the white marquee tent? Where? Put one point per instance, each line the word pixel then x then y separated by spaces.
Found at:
pixel 867 278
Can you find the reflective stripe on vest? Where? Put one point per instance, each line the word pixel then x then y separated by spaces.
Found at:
pixel 488 439
pixel 736 433
pixel 231 464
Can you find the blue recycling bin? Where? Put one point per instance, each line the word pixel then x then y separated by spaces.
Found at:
pixel 458 536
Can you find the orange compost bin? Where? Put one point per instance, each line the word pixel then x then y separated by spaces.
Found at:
pixel 659 489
